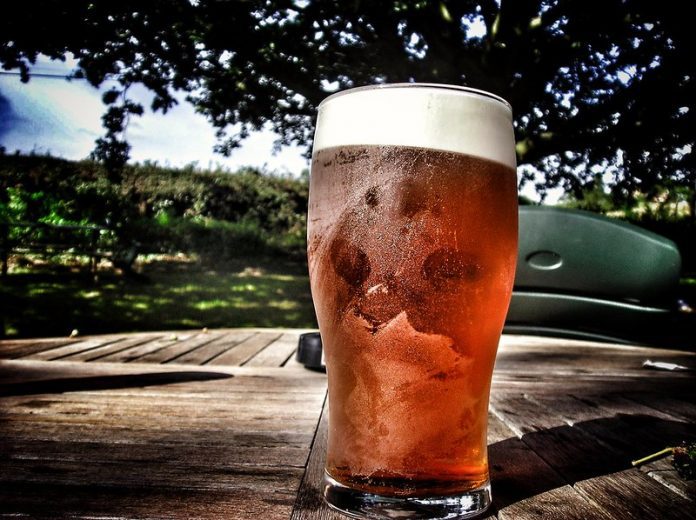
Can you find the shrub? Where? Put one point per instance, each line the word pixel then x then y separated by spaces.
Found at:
pixel 216 214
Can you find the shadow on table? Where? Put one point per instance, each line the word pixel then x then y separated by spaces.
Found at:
pixel 548 459
pixel 81 384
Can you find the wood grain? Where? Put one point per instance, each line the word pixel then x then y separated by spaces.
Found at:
pixel 310 503
pixel 215 348
pixel 276 353
pixel 245 350
pixel 12 349
pixel 85 345
pixel 524 485
pixel 179 348
pixel 137 352
pixel 226 424
pixel 590 442
pixel 161 442
pixel 632 495
pixel 94 501
pixel 111 348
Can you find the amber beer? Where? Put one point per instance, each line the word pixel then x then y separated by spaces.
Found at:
pixel 412 244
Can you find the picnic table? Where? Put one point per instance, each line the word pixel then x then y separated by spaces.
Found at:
pixel 226 424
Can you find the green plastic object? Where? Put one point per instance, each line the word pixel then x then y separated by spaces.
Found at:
pixel 584 275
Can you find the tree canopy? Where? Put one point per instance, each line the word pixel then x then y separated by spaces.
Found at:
pixel 598 86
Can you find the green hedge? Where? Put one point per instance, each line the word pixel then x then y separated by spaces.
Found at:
pixel 212 213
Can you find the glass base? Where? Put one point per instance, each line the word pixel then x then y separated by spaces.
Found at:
pixel 360 504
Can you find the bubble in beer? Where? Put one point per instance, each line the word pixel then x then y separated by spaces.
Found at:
pixel 379 305
pixel 372 197
pixel 344 156
pixel 412 199
pixel 446 265
pixel 350 262
pixel 441 375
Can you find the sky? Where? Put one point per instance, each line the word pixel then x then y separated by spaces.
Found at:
pixel 52 115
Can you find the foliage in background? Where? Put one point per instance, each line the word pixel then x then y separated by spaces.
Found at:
pixel 598 86
pixel 218 215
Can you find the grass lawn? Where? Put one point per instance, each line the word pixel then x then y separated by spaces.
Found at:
pixel 172 293
pixel 169 294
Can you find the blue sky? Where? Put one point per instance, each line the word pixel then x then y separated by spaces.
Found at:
pixel 52 115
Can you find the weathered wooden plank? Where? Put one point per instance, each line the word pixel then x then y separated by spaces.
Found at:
pixel 607 357
pixel 627 429
pixel 310 504
pixel 255 498
pixel 133 354
pixel 632 430
pixel 276 353
pixel 672 480
pixel 156 472
pixel 49 418
pixel 102 408
pixel 241 353
pixel 578 408
pixel 562 382
pixel 111 348
pixel 562 502
pixel 662 470
pixel 621 432
pixel 572 416
pixel 179 348
pixel 19 348
pixel 199 412
pixel 630 495
pixel 553 355
pixel 292 362
pixel 541 344
pixel 195 447
pixel 28 377
pixel 219 435
pixel 598 449
pixel 202 355
pixel 98 432
pixel 521 414
pixel 678 404
pixel 211 392
pixel 79 392
pixel 524 485
pixel 73 348
pixel 574 454
pixel 194 433
pixel 618 404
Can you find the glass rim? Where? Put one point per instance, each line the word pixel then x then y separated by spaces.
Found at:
pixel 437 86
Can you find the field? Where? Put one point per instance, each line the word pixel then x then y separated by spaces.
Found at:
pixel 168 293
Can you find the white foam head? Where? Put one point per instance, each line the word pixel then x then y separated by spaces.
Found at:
pixel 442 117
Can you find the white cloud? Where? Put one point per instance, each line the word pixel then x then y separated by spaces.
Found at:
pixel 63 117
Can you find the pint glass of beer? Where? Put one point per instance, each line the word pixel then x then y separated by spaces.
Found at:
pixel 412 244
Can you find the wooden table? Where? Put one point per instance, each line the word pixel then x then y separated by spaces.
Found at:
pixel 225 424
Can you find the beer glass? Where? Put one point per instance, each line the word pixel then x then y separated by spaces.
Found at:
pixel 412 245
